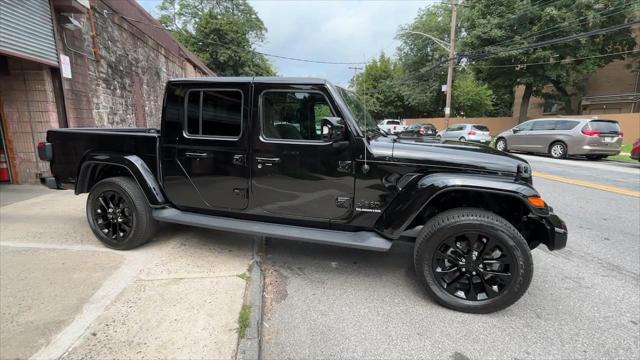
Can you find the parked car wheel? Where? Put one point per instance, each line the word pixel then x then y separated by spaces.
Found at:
pixel 462 139
pixel 472 260
pixel 119 215
pixel 501 144
pixel 596 157
pixel 558 150
pixel 438 137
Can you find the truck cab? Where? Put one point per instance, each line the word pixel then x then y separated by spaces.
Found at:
pixel 301 159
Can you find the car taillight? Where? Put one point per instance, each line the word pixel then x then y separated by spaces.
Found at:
pixel 590 132
pixel 471 132
pixel 421 131
pixel 41 145
pixel 620 133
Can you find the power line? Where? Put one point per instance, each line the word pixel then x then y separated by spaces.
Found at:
pixel 559 27
pixel 561 62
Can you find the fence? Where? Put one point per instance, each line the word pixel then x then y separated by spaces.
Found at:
pixel 629 123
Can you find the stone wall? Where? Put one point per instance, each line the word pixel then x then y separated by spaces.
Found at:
pixel 122 83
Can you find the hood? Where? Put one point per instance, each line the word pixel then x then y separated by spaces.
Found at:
pixel 457 154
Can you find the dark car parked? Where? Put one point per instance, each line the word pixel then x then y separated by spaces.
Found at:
pixel 260 156
pixel 419 131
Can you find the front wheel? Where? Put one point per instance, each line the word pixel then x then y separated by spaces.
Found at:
pixel 501 144
pixel 473 260
pixel 558 150
pixel 119 215
pixel 462 139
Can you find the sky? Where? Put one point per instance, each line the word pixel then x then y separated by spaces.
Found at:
pixel 338 31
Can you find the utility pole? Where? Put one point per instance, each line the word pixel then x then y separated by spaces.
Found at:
pixel 355 72
pixel 452 61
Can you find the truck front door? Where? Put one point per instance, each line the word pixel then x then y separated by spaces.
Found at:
pixel 295 173
pixel 205 146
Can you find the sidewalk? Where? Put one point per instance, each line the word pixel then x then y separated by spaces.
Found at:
pixel 63 294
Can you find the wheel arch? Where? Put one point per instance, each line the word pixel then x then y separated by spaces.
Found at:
pixel 434 194
pixel 98 166
pixel 555 141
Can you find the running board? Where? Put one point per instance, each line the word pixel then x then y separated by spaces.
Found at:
pixel 366 240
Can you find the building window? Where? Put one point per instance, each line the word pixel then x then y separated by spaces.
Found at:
pixel 214 113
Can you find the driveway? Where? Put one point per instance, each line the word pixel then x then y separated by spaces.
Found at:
pixel 584 301
pixel 63 294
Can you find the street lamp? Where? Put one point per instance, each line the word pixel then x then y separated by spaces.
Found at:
pixel 451 49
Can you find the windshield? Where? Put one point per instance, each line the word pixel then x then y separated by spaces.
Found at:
pixel 357 109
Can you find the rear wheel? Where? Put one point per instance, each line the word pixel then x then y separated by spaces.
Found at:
pixel 462 139
pixel 501 144
pixel 558 150
pixel 473 260
pixel 119 215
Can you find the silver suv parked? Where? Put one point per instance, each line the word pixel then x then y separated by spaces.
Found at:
pixel 466 132
pixel 593 138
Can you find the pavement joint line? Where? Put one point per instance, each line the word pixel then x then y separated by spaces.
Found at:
pixel 189 277
pixel 588 184
pixel 45 246
pixel 66 339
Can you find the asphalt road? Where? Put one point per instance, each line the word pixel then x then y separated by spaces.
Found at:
pixel 584 301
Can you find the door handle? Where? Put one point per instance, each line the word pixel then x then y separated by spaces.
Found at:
pixel 266 161
pixel 198 155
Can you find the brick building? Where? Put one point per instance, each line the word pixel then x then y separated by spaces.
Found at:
pixel 80 63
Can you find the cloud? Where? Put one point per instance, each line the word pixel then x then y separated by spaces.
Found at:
pixel 341 31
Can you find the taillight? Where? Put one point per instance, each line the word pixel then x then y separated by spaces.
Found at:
pixel 471 132
pixel 421 131
pixel 620 133
pixel 590 132
pixel 41 145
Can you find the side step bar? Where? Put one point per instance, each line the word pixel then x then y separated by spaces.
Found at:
pixel 360 240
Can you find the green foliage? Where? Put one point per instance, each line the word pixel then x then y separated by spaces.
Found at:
pixel 471 97
pixel 243 320
pixel 221 32
pixel 503 27
pixel 418 55
pixel 377 85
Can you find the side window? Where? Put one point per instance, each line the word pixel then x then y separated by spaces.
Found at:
pixel 293 115
pixel 544 125
pixel 215 113
pixel 566 124
pixel 526 126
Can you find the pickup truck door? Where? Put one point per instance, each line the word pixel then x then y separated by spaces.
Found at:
pixel 295 174
pixel 205 149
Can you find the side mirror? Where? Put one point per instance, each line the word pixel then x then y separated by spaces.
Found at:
pixel 515 130
pixel 333 129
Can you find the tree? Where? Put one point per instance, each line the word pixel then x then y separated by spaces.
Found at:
pixel 470 96
pixel 377 86
pixel 420 58
pixel 499 33
pixel 223 33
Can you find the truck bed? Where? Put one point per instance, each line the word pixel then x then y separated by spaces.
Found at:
pixel 71 145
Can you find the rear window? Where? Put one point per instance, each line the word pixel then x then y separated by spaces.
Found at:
pixel 216 113
pixel 480 127
pixel 604 126
pixel 393 122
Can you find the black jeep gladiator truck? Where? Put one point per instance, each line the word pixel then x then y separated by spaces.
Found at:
pixel 301 159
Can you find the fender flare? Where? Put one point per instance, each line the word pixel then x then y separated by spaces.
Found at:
pixel 419 191
pixel 94 162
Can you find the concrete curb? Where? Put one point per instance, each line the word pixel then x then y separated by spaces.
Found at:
pixel 249 346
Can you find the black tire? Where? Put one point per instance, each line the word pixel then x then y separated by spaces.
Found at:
pixel 503 284
pixel 596 157
pixel 129 223
pixel 501 144
pixel 462 139
pixel 558 150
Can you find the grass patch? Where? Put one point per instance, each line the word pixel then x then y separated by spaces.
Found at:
pixel 625 154
pixel 243 320
pixel 244 276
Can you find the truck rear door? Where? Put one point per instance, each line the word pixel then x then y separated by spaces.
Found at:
pixel 205 145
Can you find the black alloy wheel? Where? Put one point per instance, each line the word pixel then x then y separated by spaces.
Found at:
pixel 113 216
pixel 472 266
pixel 119 214
pixel 472 260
